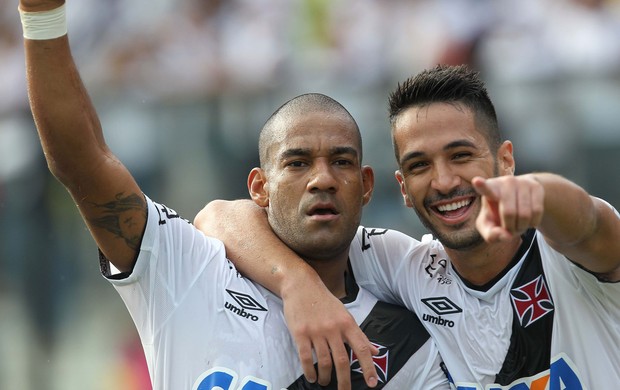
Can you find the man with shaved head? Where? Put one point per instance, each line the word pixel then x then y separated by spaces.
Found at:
pixel 202 324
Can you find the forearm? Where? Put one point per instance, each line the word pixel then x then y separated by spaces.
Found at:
pixel 580 226
pixel 569 212
pixel 259 254
pixel 253 246
pixel 65 118
pixel 108 198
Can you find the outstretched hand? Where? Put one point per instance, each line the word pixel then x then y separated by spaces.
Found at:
pixel 510 205
pixel 319 322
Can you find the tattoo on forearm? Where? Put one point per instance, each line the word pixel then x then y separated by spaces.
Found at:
pixel 119 217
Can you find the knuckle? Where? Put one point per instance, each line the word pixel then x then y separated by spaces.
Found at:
pixel 324 364
pixel 306 359
pixel 300 331
pixel 365 348
pixel 339 322
pixel 525 214
pixel 341 360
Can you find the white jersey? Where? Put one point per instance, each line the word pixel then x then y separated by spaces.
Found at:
pixel 544 323
pixel 203 326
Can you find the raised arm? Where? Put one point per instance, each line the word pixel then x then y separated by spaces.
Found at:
pixel 578 225
pixel 316 319
pixel 107 196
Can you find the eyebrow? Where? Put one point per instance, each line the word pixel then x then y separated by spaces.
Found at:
pixel 452 145
pixel 307 152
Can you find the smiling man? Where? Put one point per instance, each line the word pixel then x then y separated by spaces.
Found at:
pixel 518 288
pixel 440 138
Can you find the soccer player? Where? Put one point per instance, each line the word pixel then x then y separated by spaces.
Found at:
pixel 519 286
pixel 202 324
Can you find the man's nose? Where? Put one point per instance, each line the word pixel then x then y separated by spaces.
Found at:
pixel 444 178
pixel 322 177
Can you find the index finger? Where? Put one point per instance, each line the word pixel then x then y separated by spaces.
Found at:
pixel 363 350
pixel 482 188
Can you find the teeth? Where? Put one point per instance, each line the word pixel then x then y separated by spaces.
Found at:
pixel 453 206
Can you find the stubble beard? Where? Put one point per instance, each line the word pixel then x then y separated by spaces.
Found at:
pixel 461 238
pixel 313 245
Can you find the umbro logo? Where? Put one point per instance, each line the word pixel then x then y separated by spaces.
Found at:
pixel 441 306
pixel 244 302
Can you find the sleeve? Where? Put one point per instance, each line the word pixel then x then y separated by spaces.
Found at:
pixel 578 293
pixel 173 256
pixel 387 263
pixel 562 271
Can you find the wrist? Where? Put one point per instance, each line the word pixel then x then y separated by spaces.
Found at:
pixel 44 24
pixel 300 280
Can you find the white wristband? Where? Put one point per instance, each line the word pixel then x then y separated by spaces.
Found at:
pixel 45 24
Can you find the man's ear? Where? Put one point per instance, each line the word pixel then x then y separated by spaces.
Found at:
pixel 368 181
pixel 258 187
pixel 403 188
pixel 505 158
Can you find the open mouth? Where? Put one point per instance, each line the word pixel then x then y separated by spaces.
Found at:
pixel 323 212
pixel 453 209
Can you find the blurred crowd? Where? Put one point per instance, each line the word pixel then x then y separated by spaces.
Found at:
pixel 183 87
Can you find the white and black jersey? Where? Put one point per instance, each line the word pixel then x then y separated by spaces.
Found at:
pixel 543 323
pixel 204 326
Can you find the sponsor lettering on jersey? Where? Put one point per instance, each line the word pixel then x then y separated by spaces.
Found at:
pixel 244 302
pixel 380 360
pixel 437 320
pixel 562 375
pixel 531 301
pixel 441 306
pixel 222 378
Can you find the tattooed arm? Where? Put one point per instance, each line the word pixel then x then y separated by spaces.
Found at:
pixel 106 194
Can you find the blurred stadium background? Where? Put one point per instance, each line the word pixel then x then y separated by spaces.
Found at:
pixel 182 88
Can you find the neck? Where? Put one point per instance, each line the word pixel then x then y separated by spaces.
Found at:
pixel 332 272
pixel 479 265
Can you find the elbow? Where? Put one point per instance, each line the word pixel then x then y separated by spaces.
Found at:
pixel 217 214
pixel 78 167
pixel 62 171
pixel 211 211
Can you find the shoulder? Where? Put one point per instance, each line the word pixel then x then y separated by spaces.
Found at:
pixel 169 237
pixel 372 241
pixel 367 235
